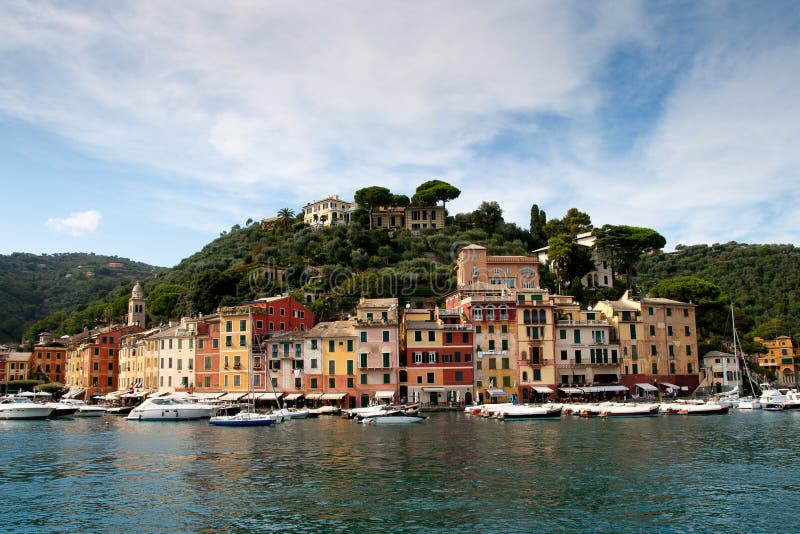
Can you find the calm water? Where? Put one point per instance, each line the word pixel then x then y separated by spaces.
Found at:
pixel 453 472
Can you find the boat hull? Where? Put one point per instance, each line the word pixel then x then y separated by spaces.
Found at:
pixel 25 414
pixel 244 419
pixel 170 414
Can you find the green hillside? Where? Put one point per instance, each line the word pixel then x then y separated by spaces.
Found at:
pixel 35 286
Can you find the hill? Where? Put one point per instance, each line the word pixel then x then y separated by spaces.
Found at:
pixel 761 280
pixel 33 287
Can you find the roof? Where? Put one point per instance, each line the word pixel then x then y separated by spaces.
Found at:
pixel 334 329
pixel 473 246
pixel 377 303
pixel 422 324
pixel 19 356
pixel 658 300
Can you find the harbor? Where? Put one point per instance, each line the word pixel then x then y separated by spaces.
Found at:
pixel 452 472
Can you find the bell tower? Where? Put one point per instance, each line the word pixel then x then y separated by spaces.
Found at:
pixel 136 306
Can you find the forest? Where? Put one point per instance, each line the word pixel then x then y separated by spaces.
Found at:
pixel 334 266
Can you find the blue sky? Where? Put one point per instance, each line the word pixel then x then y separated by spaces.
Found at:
pixel 144 129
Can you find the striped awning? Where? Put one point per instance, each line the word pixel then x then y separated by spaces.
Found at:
pixel 601 389
pixel 496 392
pixel 233 396
pixel 293 396
pixel 313 396
pixel 269 396
pixel 333 396
pixel 571 391
pixel 646 387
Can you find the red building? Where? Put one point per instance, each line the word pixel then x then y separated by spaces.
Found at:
pixel 49 359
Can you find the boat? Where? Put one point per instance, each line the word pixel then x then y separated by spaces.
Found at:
pixel 771 398
pixel 393 417
pixel 14 407
pixel 83 409
pixel 630 410
pixel 245 418
pixel 120 410
pixel 61 409
pixel 749 403
pixel 743 403
pixel 298 413
pixel 792 401
pixel 525 412
pixel 708 408
pixel 170 409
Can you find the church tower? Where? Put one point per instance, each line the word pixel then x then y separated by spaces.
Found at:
pixel 136 306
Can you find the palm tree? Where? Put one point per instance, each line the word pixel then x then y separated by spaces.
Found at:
pixel 285 215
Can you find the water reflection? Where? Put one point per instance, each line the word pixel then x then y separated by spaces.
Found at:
pixel 451 472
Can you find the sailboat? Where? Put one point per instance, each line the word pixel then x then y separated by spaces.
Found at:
pixel 248 416
pixel 745 403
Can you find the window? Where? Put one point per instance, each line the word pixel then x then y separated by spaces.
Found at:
pixel 110 381
pixel 242 341
pixel 669 330
pixel 349 367
pixel 363 337
pixel 207 363
pixel 431 335
pixel 417 357
pixel 504 344
pixel 350 381
pixel 349 345
pixel 386 335
pixel 229 326
pixel 669 312
pixel 448 337
pixel 635 369
pixel 314 383
pixel 686 314
pixel 655 368
pixel 633 332
pixel 110 366
pixel 215 343
pixel 313 344
pixel 386 378
pixel 562 334
pixel 492 363
pixel 459 376
pixel 688 350
pixel 180 364
pixel 332 383
pixel 417 335
pixel 653 350
pixel 504 362
pixel 478 329
pixel 634 353
pixel 430 378
pixel 313 363
pixel 563 355
pixel 577 356
pixel 577 336
pixel 331 345
pixel 506 381
pixel 686 331
pixel 363 362
pixel 651 311
pixel 386 359
pixel 431 357
pixel 332 367
pixel 537 374
pixel 228 341
pixel 207 382
pixel 689 368
pixel 652 330
pixel 491 329
pixel 363 378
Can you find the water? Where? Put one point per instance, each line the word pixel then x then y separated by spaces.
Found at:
pixel 453 472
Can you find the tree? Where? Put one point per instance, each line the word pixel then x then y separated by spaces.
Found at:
pixel 574 222
pixel 435 190
pixel 627 244
pixel 373 197
pixel 538 222
pixel 569 260
pixel 162 300
pixel 285 215
pixel 400 200
pixel 488 216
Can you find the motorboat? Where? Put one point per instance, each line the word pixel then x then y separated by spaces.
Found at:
pixel 675 407
pixel 526 411
pixel 792 401
pixel 170 409
pixel 61 409
pixel 298 413
pixel 630 410
pixel 771 398
pixel 83 409
pixel 393 417
pixel 749 403
pixel 13 407
pixel 708 408
pixel 245 418
pixel 492 410
pixel 369 411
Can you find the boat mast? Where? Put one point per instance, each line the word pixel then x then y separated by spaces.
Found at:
pixel 736 354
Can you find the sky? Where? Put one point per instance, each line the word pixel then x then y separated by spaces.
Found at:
pixel 144 129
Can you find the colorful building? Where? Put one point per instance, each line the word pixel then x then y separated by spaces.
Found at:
pixel 475 266
pixel 331 351
pixel 436 362
pixel 780 358
pixel 378 350
pixel 49 359
pixel 328 212
pixel 414 218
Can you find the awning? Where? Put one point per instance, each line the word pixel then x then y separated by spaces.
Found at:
pixel 571 391
pixel 313 396
pixel 602 389
pixel 207 395
pixel 332 396
pixel 496 392
pixel 233 396
pixel 74 393
pixel 384 394
pixel 269 396
pixel 293 396
pixel 646 387
pixel 433 390
pixel 134 395
pixel 669 385
pixel 542 389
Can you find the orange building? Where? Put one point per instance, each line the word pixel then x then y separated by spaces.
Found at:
pixel 475 266
pixel 781 359
pixel 49 359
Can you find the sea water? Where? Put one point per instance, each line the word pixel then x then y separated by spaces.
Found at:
pixel 453 472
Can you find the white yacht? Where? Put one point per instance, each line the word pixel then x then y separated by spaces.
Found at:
pixel 771 398
pixel 22 408
pixel 170 409
pixel 83 409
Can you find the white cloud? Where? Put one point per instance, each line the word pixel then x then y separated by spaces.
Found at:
pixel 76 224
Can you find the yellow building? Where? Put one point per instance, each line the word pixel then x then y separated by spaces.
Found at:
pixel 328 212
pixel 781 358
pixel 234 349
pixel 412 218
